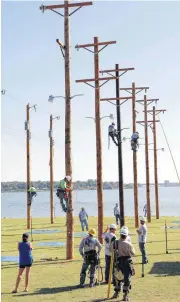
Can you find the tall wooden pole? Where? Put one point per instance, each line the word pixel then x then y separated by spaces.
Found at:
pixel 135 158
pixel 97 80
pixel 155 164
pixel 28 166
pixel 120 162
pixel 98 142
pixel 51 172
pixel 68 160
pixel 147 160
pixel 65 49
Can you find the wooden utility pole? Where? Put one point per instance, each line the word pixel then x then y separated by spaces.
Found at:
pixel 28 165
pixel 28 137
pixel 147 160
pixel 97 86
pixel 136 207
pixel 118 73
pixel 155 112
pixel 51 164
pixel 65 49
pixel 146 102
pixel 51 171
pixel 135 90
pixel 155 164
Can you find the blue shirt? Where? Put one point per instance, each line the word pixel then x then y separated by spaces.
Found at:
pixel 25 253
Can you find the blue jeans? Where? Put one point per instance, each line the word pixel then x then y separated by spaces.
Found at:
pixel 84 223
pixel 84 269
pixel 117 218
pixel 143 251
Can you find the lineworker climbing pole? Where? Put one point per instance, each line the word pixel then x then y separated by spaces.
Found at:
pixel 32 192
pixel 113 133
pixel 134 141
pixel 63 192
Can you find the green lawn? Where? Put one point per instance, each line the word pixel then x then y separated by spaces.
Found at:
pixel 55 279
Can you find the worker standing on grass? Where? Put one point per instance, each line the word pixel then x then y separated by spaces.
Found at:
pixel 128 237
pixel 108 236
pixel 145 210
pixel 88 251
pixel 142 232
pixel 63 191
pixel 117 213
pixel 123 265
pixel 31 192
pixel 25 261
pixel 83 217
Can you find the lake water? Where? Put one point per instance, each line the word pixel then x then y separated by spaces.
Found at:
pixel 14 204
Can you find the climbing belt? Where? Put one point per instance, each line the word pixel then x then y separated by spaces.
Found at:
pixel 98 274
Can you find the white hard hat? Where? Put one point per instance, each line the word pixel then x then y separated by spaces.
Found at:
pixel 113 226
pixel 124 232
pixel 68 178
pixel 143 219
pixel 125 227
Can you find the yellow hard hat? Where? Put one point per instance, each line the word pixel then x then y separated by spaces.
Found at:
pixel 92 232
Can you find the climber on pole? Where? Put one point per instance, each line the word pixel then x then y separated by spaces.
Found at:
pixel 113 133
pixel 134 141
pixel 63 192
pixel 31 193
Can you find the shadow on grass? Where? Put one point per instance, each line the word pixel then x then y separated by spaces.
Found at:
pixel 166 268
pixel 45 261
pixel 51 291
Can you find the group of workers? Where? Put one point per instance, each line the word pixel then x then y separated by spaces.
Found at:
pixel 114 134
pixel 90 247
pixel 122 250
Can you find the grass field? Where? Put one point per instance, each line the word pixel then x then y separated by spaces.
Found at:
pixel 56 279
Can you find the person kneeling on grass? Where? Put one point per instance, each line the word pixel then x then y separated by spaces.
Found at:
pixel 25 261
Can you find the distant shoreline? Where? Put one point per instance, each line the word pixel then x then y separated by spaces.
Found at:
pixel 90 184
pixel 85 189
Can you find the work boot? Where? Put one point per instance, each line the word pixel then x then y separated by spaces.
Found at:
pixel 116 295
pixel 125 297
pixel 91 284
pixel 80 285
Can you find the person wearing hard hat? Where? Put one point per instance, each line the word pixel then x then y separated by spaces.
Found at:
pixel 62 193
pixel 142 232
pixel 89 249
pixel 128 237
pixel 134 141
pixel 108 236
pixel 113 133
pixel 123 265
pixel 31 192
pixel 83 217
pixel 117 213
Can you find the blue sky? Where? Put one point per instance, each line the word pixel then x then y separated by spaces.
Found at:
pixel 148 38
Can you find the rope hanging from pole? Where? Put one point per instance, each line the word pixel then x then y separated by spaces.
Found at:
pixel 169 150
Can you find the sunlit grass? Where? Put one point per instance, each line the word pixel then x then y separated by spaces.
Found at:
pixel 54 279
